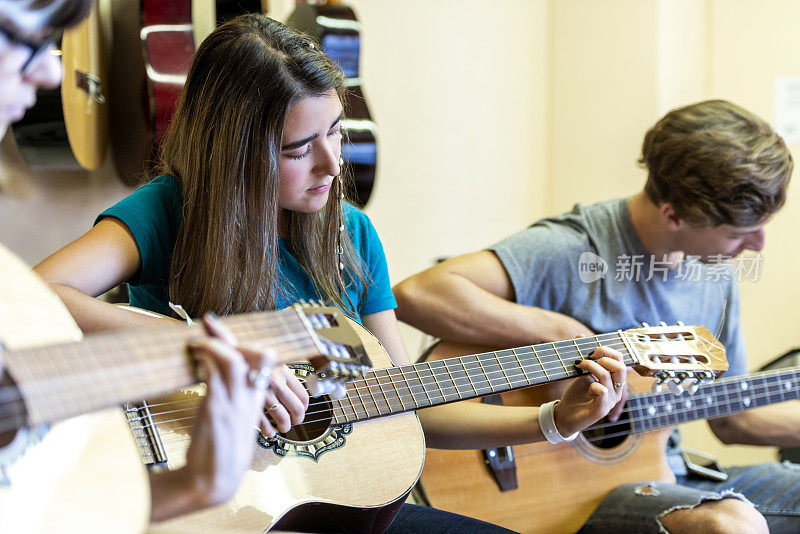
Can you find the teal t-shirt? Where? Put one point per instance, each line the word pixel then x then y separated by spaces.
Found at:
pixel 153 214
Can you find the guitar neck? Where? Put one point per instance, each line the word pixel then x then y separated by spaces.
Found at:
pixel 400 389
pixel 65 380
pixel 716 399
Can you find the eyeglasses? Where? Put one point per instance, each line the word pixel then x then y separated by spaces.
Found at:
pixel 36 49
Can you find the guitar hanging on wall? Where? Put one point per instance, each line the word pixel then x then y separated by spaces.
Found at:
pixel 68 126
pixel 335 27
pixel 167 37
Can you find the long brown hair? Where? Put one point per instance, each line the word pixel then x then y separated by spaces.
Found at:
pixel 223 148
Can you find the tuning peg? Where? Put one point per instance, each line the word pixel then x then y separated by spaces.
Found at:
pixel 645 325
pixel 675 387
pixel 679 323
pixel 688 382
pixel 662 323
pixel 318 386
pixel 657 387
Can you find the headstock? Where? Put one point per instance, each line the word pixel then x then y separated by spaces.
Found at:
pixel 342 356
pixel 680 357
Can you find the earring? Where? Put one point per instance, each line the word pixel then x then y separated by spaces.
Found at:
pixel 339 247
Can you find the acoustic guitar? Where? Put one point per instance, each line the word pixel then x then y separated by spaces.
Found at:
pixel 167 38
pixel 605 455
pixel 349 465
pixel 335 27
pixel 68 126
pixel 87 469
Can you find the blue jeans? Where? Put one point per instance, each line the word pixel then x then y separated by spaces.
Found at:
pixel 413 519
pixel 774 489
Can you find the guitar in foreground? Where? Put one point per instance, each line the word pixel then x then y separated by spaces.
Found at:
pixel 348 467
pixel 606 455
pixel 85 472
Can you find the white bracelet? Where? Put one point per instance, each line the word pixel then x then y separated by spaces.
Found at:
pixel 547 422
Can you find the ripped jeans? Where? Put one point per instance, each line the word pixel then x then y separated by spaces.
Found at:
pixel 774 489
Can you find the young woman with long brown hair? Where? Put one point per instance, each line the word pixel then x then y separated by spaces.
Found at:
pixel 222 446
pixel 248 214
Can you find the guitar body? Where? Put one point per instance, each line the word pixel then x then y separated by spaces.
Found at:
pixel 68 126
pixel 578 475
pixel 79 474
pixel 344 480
pixel 168 46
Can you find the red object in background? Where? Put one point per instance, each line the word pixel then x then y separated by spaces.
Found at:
pixel 168 48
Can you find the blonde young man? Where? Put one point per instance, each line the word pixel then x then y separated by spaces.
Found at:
pixel 716 174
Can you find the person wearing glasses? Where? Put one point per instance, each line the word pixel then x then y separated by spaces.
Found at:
pixel 223 435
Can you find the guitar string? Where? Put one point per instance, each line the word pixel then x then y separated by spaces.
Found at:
pixel 74 380
pixel 12 393
pixel 593 341
pixel 434 372
pixel 507 377
pixel 511 375
pixel 668 398
pixel 366 410
pixel 676 413
pixel 370 389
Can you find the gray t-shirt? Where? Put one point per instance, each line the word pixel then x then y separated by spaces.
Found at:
pixel 590 264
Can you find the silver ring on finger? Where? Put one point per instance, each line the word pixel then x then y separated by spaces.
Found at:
pixel 273 407
pixel 259 378
pixel 617 385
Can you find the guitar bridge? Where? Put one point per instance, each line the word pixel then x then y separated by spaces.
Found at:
pixel 151 449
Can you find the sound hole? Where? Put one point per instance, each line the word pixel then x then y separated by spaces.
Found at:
pixel 606 434
pixel 318 419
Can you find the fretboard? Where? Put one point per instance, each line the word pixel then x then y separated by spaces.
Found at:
pixel 722 397
pixel 65 380
pixel 400 389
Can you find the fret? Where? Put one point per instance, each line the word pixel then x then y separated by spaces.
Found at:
pixel 578 350
pixel 639 423
pixel 376 393
pixel 493 372
pixel 778 389
pixel 447 385
pixel 414 384
pixel 389 391
pixel 477 375
pixel 430 383
pixel 398 379
pixel 513 373
pixel 338 412
pixel 459 377
pixel 462 361
pixel 588 345
pixel 551 360
pixel 541 365
pixel 560 359
pixel 522 367
pixel 359 406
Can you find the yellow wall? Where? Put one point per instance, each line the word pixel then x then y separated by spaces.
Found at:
pixel 493 114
